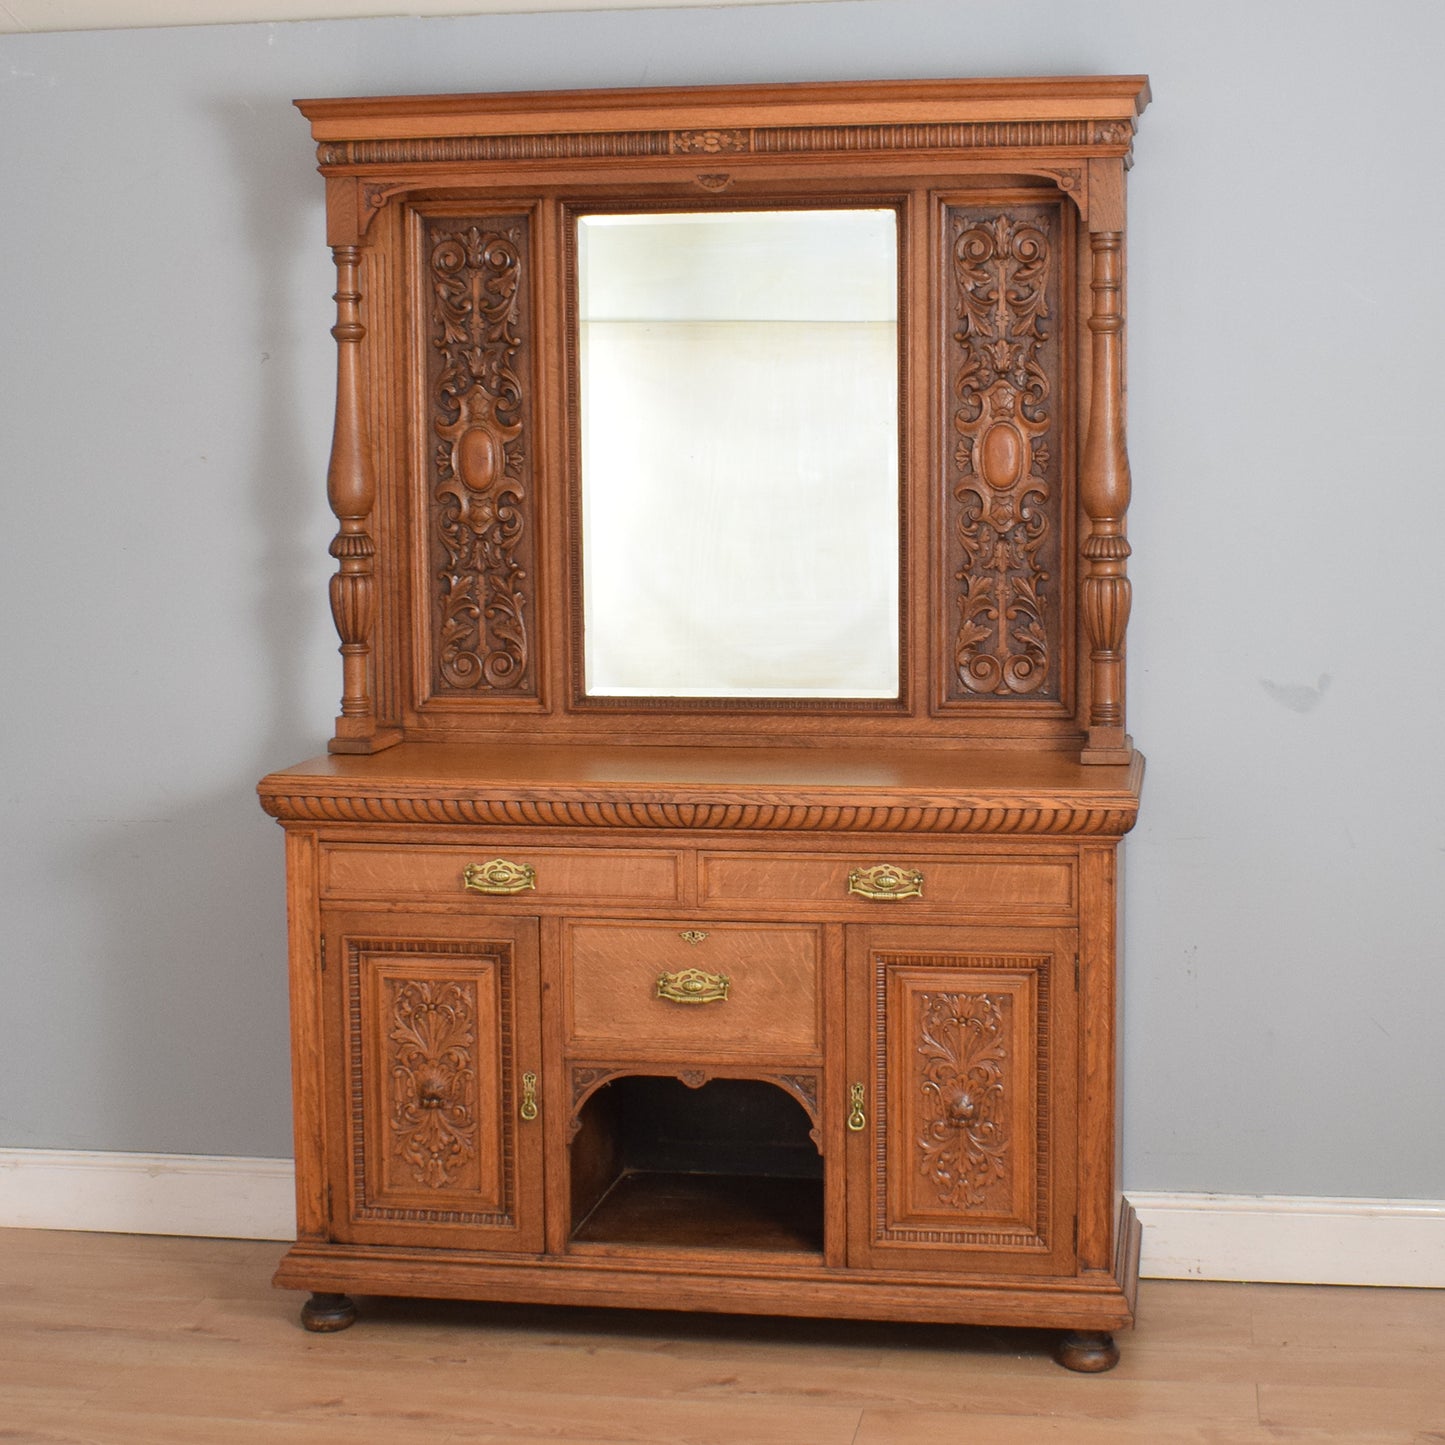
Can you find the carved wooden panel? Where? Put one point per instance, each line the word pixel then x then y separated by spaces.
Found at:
pixel 1005 499
pixel 432 1030
pixel 966 1052
pixel 481 528
pixel 967 1090
pixel 430 1041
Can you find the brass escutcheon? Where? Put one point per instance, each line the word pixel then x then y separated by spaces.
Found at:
pixel 884 882
pixel 499 877
pixel 692 985
pixel 692 935
pixel 529 1097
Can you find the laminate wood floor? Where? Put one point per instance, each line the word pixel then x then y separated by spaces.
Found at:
pixel 118 1338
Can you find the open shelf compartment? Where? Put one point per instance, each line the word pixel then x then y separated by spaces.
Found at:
pixel 726 1166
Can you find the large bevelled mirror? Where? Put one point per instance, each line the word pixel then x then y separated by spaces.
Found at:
pixel 738 375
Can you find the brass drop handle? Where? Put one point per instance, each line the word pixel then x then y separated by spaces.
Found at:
pixel 529 1097
pixel 499 877
pixel 857 1119
pixel 884 882
pixel 692 985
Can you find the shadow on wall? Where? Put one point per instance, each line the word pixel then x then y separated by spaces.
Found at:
pixel 193 981
pixel 281 202
pixel 191 905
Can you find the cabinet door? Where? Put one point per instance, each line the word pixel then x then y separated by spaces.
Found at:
pixel 962 1087
pixel 433 1086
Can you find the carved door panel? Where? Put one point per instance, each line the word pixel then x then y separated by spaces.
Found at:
pixel 962 1090
pixel 435 1135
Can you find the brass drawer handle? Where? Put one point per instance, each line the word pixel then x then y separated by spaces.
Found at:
pixel 857 1119
pixel 884 882
pixel 500 877
pixel 692 985
pixel 529 1097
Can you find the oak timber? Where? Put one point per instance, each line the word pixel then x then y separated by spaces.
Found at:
pixel 551 951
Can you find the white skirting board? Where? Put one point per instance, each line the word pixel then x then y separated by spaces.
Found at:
pixel 1280 1238
pixel 196 1194
pixel 1292 1239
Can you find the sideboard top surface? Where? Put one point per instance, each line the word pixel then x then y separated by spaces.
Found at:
pixel 858 788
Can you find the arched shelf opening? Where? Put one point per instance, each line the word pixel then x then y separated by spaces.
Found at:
pixel 659 1163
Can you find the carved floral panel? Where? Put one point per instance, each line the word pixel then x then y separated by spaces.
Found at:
pixel 432 1058
pixel 960 1100
pixel 1005 496
pixel 429 1058
pixel 965 1044
pixel 481 509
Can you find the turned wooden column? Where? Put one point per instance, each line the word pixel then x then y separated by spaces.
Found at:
pixel 351 490
pixel 1104 487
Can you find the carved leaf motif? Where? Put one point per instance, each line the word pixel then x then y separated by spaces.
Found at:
pixel 433 1083
pixel 481 501
pixel 963 1142
pixel 711 142
pixel 583 1079
pixel 805 1086
pixel 1001 390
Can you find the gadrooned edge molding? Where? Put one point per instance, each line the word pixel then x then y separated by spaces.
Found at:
pixel 1285 1239
pixel 1029 818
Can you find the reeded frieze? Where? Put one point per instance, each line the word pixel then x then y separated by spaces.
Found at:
pixel 1100 137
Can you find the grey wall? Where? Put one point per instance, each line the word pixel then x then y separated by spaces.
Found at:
pixel 164 416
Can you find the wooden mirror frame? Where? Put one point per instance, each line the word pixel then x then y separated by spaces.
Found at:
pixel 425 460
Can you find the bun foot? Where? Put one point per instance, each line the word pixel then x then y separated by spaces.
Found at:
pixel 1088 1351
pixel 324 1313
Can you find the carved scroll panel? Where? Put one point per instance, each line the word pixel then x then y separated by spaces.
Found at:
pixel 430 1044
pixel 1004 435
pixel 961 1101
pixel 475 280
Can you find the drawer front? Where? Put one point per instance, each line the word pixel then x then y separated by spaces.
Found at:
pixel 524 875
pixel 715 991
pixel 893 886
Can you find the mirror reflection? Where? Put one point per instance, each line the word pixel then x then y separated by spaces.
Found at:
pixel 739 429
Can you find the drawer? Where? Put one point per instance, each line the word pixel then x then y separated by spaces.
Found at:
pixel 596 876
pixel 986 884
pixel 713 991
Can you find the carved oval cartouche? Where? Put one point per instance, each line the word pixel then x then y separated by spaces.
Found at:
pixel 1002 455
pixel 477 458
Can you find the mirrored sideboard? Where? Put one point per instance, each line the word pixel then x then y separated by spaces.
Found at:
pixel 709 899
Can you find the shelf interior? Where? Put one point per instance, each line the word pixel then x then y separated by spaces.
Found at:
pixel 729 1165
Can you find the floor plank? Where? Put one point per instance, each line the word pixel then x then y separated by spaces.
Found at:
pixel 112 1339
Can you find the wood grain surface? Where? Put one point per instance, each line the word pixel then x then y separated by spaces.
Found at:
pixel 118 1340
pixel 910 901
